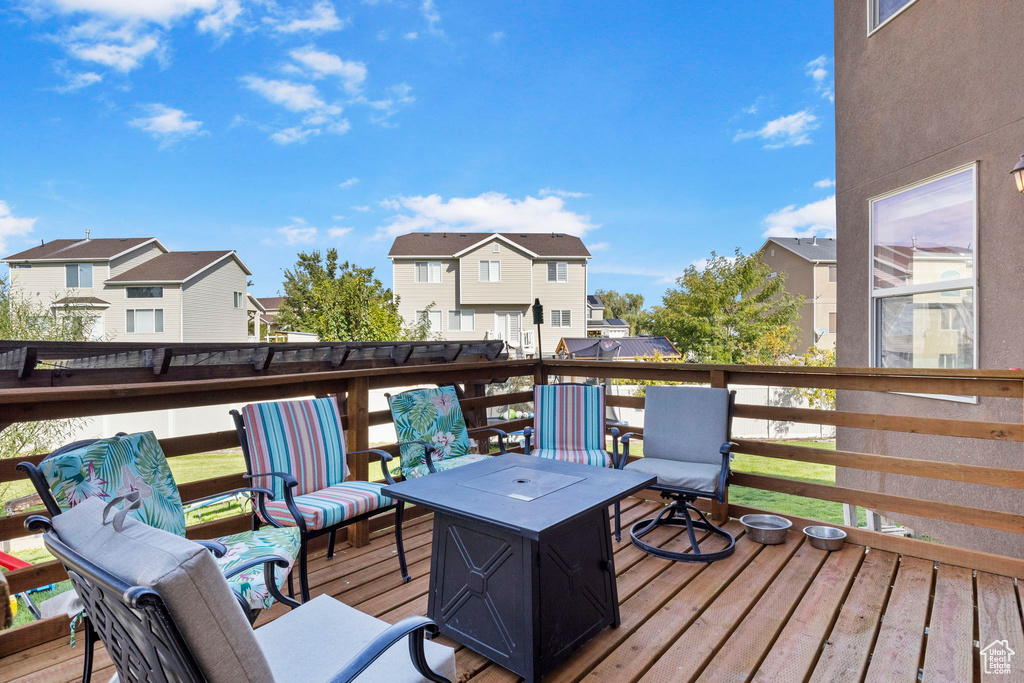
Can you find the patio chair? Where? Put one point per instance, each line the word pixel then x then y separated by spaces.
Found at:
pixel 432 432
pixel 165 613
pixel 569 424
pixel 687 446
pixel 298 449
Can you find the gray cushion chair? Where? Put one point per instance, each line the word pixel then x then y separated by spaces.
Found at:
pixel 165 613
pixel 687 447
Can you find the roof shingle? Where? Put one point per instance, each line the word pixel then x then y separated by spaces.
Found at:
pixel 810 248
pixel 100 248
pixel 450 243
pixel 174 266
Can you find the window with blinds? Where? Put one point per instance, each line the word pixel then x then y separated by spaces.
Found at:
pixel 461 320
pixel 561 318
pixel 558 271
pixel 428 272
pixel 490 271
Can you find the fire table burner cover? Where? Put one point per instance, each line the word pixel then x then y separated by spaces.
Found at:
pixel 521 483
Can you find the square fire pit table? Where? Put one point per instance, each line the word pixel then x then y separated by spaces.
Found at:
pixel 521 568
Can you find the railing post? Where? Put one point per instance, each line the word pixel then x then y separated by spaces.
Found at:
pixel 720 511
pixel 359 440
pixel 540 373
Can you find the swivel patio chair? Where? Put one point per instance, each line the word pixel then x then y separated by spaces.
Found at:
pixel 569 424
pixel 298 449
pixel 432 432
pixel 165 613
pixel 687 447
pixel 135 463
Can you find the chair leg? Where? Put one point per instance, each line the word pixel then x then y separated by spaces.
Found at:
pixel 618 522
pixel 291 583
pixel 330 546
pixel 303 576
pixel 399 515
pixel 90 646
pixel 678 514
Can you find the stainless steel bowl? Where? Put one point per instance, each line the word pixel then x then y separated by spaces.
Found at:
pixel 766 529
pixel 825 537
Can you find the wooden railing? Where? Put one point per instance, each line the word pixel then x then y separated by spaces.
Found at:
pixel 352 387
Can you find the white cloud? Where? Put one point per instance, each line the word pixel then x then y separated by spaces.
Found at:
pixel 816 69
pixel 565 194
pixel 661 274
pixel 598 246
pixel 433 17
pixel 361 209
pixel 338 233
pixel 166 124
pixel 298 97
pixel 397 96
pixel 77 80
pixel 120 56
pixel 497 36
pixel 488 212
pixel 785 131
pixel 12 226
pixel 298 232
pixel 320 64
pixel 411 35
pixel 159 11
pixel 221 22
pixel 814 219
pixel 321 17
pixel 825 182
pixel 337 218
pixel 348 183
pixel 288 136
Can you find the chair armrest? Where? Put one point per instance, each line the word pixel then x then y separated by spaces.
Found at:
pixel 727 447
pixel 218 549
pixel 271 556
pixel 427 450
pixel 624 440
pixel 266 492
pixel 412 628
pixel 527 437
pixel 501 434
pixel 385 458
pixel 289 480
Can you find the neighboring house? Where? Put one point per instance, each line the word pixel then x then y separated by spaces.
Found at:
pixel 810 267
pixel 271 307
pixel 929 220
pixel 598 325
pixel 482 285
pixel 623 348
pixel 137 290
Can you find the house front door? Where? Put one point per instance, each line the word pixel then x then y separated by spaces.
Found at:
pixel 508 326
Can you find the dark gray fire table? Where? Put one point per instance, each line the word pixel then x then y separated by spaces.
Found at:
pixel 522 569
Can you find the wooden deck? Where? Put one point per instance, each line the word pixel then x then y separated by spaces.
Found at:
pixel 767 613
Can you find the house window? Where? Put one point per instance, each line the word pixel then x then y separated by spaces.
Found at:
pixel 461 321
pixel 561 318
pixel 428 272
pixel 923 292
pixel 19 266
pixel 832 322
pixel 772 274
pixel 490 271
pixel 144 320
pixel 831 273
pixel 78 275
pixel 558 271
pixel 144 292
pixel 881 11
pixel 239 300
pixel 433 318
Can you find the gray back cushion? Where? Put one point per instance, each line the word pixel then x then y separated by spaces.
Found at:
pixel 688 424
pixel 185 575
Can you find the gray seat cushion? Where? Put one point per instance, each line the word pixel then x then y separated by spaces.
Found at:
pixel 698 476
pixel 185 575
pixel 689 424
pixel 313 642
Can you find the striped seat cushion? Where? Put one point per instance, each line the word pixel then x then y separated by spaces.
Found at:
pixel 302 438
pixel 332 505
pixel 442 465
pixel 597 458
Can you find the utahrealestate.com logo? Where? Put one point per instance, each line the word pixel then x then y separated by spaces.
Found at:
pixel 995 658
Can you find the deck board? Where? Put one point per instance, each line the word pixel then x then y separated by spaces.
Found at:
pixel 778 613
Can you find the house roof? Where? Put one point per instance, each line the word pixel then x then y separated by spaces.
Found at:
pixel 271 303
pixel 607 322
pixel 175 266
pixel 594 301
pixel 448 244
pixel 99 249
pixel 81 301
pixel 630 347
pixel 810 248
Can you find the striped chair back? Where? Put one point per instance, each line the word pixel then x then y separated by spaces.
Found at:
pixel 303 438
pixel 569 417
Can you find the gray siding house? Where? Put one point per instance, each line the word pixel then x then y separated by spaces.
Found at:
pixel 136 290
pixel 481 285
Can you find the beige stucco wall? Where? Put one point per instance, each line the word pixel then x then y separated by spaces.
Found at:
pixel 934 89
pixel 210 315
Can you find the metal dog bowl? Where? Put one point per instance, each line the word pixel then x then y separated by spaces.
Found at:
pixel 766 529
pixel 825 537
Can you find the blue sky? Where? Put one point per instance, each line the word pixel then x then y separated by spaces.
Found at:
pixel 658 131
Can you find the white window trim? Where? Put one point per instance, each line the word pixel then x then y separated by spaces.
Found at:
pixel 971 282
pixel 460 313
pixel 556 280
pixel 489 263
pixel 432 311
pixel 136 324
pixel 871 15
pixel 78 266
pixel 561 318
pixel 143 298
pixel 428 281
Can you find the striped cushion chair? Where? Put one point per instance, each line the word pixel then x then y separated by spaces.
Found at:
pixel 298 449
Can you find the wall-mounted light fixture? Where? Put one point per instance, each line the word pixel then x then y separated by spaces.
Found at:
pixel 1018 174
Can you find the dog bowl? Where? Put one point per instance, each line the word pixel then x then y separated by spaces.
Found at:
pixel 825 537
pixel 766 529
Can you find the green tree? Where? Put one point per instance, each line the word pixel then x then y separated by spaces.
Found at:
pixel 342 302
pixel 730 311
pixel 628 307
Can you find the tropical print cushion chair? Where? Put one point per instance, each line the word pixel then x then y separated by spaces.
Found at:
pixel 129 463
pixel 297 448
pixel 432 432
pixel 569 425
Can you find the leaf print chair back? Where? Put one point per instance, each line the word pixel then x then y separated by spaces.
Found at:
pixel 432 432
pixel 134 465
pixel 297 449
